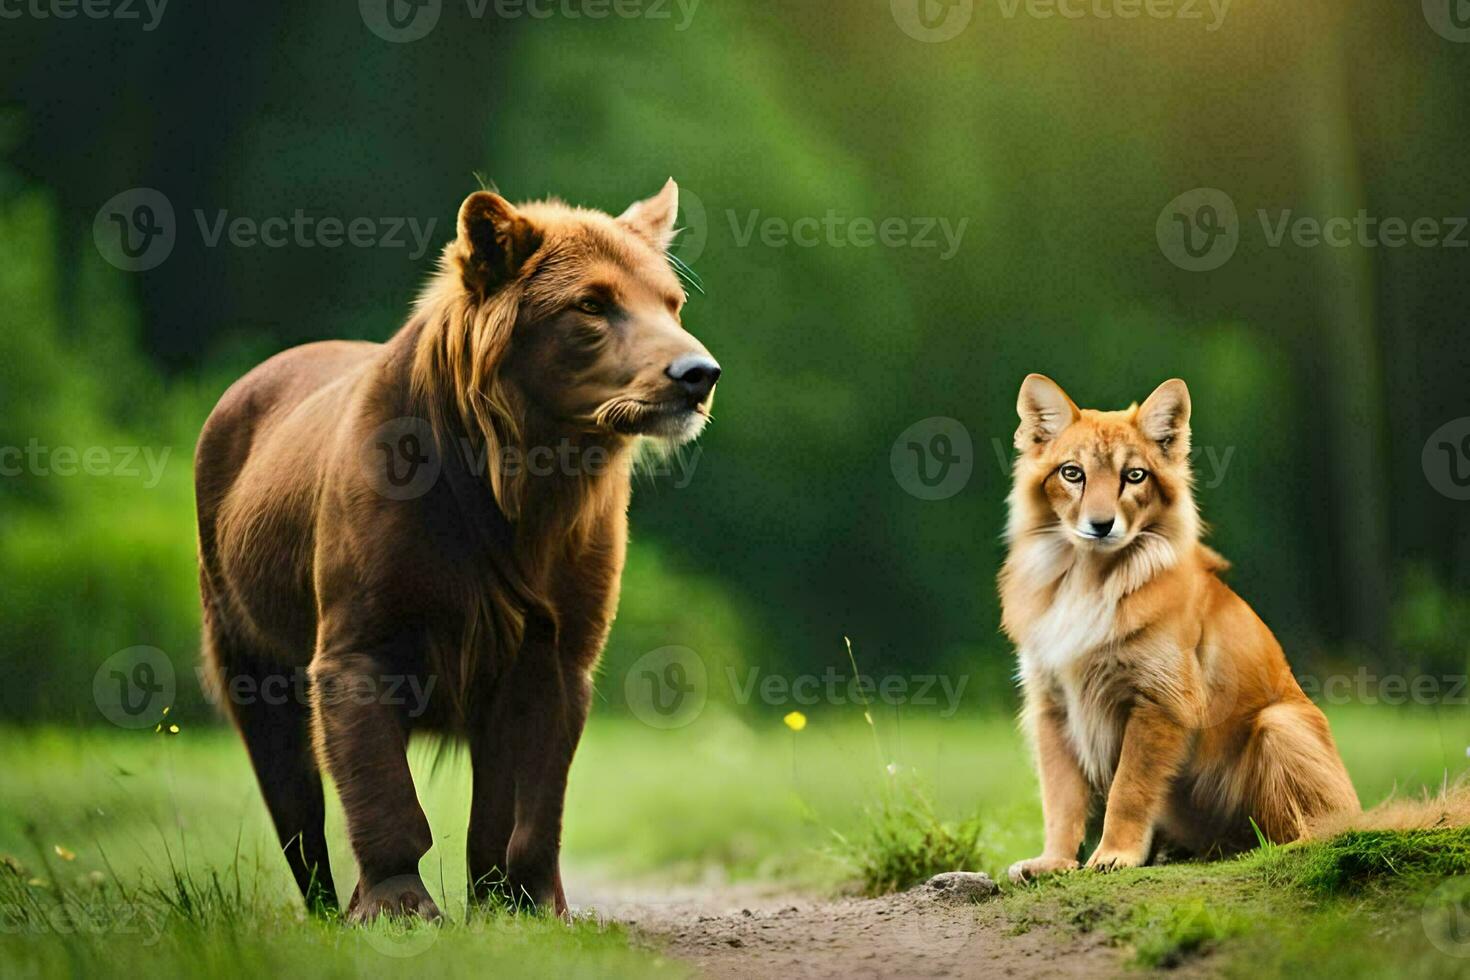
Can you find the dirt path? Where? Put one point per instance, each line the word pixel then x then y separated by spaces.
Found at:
pixel 742 933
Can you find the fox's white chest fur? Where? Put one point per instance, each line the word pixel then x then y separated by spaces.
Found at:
pixel 1073 649
pixel 1078 621
pixel 1068 650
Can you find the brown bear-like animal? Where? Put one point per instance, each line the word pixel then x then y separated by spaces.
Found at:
pixel 429 534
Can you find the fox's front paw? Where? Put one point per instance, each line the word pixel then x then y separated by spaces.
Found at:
pixel 1111 858
pixel 1023 871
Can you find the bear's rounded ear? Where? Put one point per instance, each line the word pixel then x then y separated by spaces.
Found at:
pixel 654 217
pixel 494 241
pixel 1045 410
pixel 1164 418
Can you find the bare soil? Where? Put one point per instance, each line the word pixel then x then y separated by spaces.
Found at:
pixel 743 933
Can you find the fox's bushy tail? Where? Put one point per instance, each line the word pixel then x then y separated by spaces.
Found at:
pixel 1450 807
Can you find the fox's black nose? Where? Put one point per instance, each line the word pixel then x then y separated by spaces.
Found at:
pixel 696 374
pixel 1101 529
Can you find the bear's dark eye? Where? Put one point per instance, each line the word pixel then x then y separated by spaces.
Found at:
pixel 1135 475
pixel 1072 473
pixel 591 306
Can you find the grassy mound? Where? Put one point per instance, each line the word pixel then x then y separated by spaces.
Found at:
pixel 1356 859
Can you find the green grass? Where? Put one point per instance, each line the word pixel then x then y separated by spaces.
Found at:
pixel 1165 936
pixel 1363 904
pixel 721 797
pixel 1359 859
pixel 145 852
pixel 170 857
pixel 903 842
pixel 1253 924
pixel 192 927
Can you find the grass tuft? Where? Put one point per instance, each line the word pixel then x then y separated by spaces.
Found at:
pixel 904 843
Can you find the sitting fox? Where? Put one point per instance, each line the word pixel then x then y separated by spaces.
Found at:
pixel 1148 682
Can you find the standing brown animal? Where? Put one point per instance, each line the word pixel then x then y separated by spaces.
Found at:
pixel 443 514
pixel 1148 682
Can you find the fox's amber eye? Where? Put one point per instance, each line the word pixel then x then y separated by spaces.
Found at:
pixel 591 307
pixel 1072 473
pixel 1135 475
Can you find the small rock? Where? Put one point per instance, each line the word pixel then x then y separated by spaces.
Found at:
pixel 961 886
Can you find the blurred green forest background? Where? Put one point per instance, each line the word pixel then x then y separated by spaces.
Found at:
pixel 1318 373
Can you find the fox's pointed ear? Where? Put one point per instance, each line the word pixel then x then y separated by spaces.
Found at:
pixel 494 241
pixel 1164 418
pixel 654 217
pixel 1045 410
